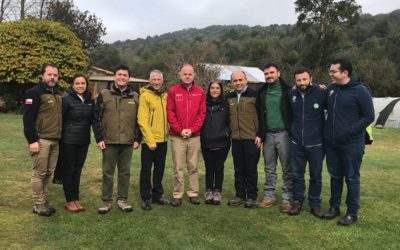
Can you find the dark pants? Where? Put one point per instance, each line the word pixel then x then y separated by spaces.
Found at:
pixel 300 155
pixel 148 158
pixel 58 172
pixel 214 161
pixel 73 158
pixel 245 159
pixel 344 162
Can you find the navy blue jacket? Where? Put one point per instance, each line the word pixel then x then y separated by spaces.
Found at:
pixel 308 116
pixel 350 111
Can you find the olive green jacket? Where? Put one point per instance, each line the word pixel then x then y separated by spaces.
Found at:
pixel 116 116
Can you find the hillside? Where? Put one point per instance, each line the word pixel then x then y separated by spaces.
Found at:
pixel 373 45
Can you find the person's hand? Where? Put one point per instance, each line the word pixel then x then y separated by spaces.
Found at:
pixel 257 141
pixel 186 133
pixel 136 145
pixel 322 86
pixel 101 145
pixel 34 148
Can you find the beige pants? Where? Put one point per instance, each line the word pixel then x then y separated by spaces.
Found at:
pixel 185 153
pixel 44 164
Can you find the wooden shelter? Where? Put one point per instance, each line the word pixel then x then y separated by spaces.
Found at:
pixel 100 78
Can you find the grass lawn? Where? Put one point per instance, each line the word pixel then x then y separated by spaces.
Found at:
pixel 189 226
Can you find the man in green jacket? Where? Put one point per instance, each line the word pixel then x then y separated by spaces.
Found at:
pixel 117 134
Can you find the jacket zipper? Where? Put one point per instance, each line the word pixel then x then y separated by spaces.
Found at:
pixel 302 125
pixel 334 114
pixel 162 107
pixel 238 110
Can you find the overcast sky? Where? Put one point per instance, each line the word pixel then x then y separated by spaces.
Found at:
pixel 131 19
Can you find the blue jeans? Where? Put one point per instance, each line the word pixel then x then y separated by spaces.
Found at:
pixel 344 162
pixel 300 155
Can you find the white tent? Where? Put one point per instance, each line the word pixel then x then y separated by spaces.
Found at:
pixel 387 106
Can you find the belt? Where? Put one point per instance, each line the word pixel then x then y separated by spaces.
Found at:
pixel 277 131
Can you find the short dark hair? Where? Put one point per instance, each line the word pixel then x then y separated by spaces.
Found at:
pixel 48 64
pixel 344 65
pixel 79 75
pixel 122 67
pixel 302 70
pixel 269 65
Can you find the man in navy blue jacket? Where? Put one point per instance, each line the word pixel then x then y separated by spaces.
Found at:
pixel 307 104
pixel 350 111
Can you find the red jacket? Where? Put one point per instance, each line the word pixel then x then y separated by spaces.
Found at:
pixel 186 109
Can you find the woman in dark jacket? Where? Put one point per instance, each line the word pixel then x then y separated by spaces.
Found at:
pixel 215 141
pixel 77 111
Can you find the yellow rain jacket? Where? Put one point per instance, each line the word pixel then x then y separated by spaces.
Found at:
pixel 152 116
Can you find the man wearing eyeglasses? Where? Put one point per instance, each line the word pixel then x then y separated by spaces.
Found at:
pixel 350 111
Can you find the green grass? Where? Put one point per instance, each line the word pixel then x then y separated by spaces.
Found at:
pixel 189 226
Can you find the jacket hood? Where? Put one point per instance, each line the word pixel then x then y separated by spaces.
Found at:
pixel 150 88
pixel 127 92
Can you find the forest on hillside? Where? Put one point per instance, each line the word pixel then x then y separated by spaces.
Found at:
pixel 372 44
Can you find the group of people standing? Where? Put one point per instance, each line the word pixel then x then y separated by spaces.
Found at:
pixel 296 125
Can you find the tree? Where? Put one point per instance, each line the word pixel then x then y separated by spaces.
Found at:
pixel 323 18
pixel 88 27
pixel 11 10
pixel 26 45
pixel 106 57
pixel 5 10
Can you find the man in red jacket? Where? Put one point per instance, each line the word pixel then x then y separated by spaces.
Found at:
pixel 186 111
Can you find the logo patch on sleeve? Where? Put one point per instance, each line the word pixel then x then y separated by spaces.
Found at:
pixel 28 101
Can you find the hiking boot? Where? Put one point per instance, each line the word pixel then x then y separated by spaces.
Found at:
pixel 235 202
pixel 161 201
pixel 176 202
pixel 124 206
pixel 296 208
pixel 250 203
pixel 146 205
pixel 41 210
pixel 266 203
pixel 209 197
pixel 217 198
pixel 50 207
pixel 194 200
pixel 285 207
pixel 105 208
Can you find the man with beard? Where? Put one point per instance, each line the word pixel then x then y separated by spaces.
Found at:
pixel 276 122
pixel 307 103
pixel 42 128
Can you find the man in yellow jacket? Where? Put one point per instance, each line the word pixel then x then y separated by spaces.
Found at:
pixel 152 119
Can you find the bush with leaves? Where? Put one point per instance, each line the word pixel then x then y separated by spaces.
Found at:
pixel 27 44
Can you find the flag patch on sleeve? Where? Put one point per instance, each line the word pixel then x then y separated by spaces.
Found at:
pixel 28 101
